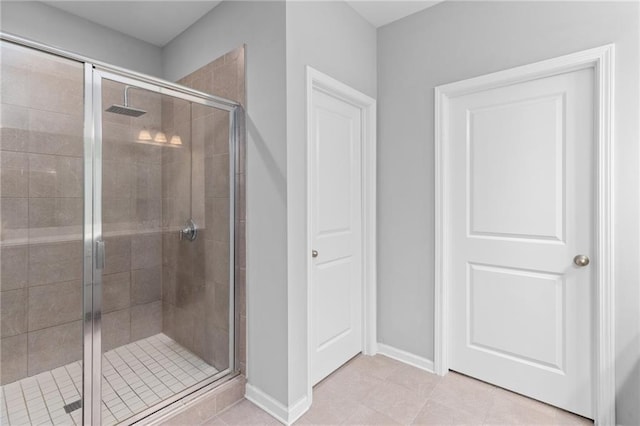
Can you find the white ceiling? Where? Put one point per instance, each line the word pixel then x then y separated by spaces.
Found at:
pixel 159 22
pixel 381 13
pixel 156 22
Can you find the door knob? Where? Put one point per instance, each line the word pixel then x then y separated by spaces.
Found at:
pixel 581 260
pixel 314 253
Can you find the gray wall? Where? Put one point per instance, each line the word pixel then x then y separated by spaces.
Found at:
pixel 459 40
pixel 46 24
pixel 332 38
pixel 261 25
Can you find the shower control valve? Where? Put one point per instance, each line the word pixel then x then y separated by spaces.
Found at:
pixel 189 232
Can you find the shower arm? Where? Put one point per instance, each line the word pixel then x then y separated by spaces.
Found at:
pixel 126 95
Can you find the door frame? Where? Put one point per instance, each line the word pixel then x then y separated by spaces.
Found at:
pixel 601 60
pixel 318 81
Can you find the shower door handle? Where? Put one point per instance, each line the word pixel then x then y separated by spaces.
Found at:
pixel 100 255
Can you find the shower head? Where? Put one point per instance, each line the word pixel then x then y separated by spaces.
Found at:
pixel 126 109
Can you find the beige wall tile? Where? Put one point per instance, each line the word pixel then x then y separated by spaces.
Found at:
pixel 13 267
pixel 42 212
pixel 169 275
pixel 242 341
pixel 146 320
pixel 117 178
pixel 55 176
pixel 118 136
pixel 146 250
pixel 55 212
pixel 225 81
pixel 217 219
pixel 117 255
pixel 116 329
pixel 57 92
pixel 116 291
pixel 183 320
pixel 188 289
pixel 14 178
pixel 209 259
pixel 117 211
pixel 50 263
pixel 143 153
pixel 13 139
pixel 114 148
pixel 219 340
pixel 14 117
pixel 70 177
pixel 55 133
pixel 147 213
pixel 146 285
pixel 13 352
pixel 220 261
pixel 53 347
pixel 15 85
pixel 220 141
pixel 148 181
pixel 14 213
pixel 54 304
pixel 221 306
pixel 69 211
pixel 13 312
pixel 217 176
pixel 42 175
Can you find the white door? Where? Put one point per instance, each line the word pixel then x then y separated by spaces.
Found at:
pixel 522 202
pixel 336 233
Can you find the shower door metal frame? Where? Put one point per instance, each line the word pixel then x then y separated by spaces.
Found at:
pixel 93 250
pixel 99 72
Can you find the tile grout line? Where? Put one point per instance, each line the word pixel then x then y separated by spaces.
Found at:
pixel 140 358
pixel 178 366
pixel 44 400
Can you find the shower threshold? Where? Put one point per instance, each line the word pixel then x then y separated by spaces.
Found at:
pixel 135 377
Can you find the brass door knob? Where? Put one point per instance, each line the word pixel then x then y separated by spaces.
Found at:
pixel 581 260
pixel 314 253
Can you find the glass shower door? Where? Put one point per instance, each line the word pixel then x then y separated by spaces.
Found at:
pixel 165 222
pixel 116 240
pixel 41 251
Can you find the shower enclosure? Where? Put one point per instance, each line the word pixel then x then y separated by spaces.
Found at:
pixel 117 239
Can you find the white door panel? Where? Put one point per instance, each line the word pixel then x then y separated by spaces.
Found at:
pixel 336 214
pixel 522 208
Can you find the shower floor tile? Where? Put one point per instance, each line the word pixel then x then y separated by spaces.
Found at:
pixel 135 377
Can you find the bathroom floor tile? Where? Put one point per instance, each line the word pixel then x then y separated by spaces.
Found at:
pixel 380 391
pixel 135 377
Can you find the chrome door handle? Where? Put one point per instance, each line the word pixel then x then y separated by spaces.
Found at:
pixel 314 253
pixel 581 260
pixel 100 254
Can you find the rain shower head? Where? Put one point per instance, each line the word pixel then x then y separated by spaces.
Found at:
pixel 126 109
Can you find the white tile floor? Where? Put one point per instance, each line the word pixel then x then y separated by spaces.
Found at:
pixel 135 376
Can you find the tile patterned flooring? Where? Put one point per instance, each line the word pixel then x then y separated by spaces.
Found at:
pixel 135 376
pixel 381 391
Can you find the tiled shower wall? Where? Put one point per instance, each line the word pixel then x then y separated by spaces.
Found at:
pixel 146 196
pixel 195 295
pixel 132 219
pixel 41 210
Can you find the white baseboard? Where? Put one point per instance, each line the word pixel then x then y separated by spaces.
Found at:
pixel 286 415
pixel 406 357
